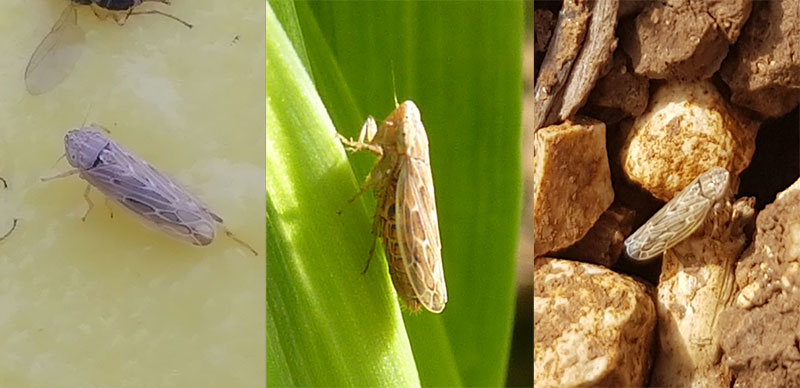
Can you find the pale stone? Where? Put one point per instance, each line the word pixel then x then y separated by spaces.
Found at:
pixel 696 285
pixel 571 183
pixel 592 326
pixel 687 130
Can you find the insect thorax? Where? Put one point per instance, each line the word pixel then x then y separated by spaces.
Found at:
pixel 83 146
pixel 401 132
pixel 715 183
pixel 112 5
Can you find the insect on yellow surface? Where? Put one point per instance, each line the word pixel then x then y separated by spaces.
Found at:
pixel 406 213
pixel 139 187
pixel 59 51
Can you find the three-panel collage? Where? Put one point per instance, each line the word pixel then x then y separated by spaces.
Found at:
pixel 666 198
pixel 399 193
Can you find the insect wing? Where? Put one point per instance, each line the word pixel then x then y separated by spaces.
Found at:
pixel 679 218
pixel 418 234
pixel 151 195
pixel 55 57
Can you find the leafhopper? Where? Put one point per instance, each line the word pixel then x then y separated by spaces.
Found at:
pixel 680 217
pixel 406 213
pixel 130 181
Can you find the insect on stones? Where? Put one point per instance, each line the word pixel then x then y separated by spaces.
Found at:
pixel 680 217
pixel 57 54
pixel 406 213
pixel 136 185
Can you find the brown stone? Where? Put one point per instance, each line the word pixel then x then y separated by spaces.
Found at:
pixel 759 331
pixel 763 69
pixel 631 7
pixel 604 242
pixel 683 39
pixel 619 94
pixel 573 20
pixel 543 24
pixel 592 61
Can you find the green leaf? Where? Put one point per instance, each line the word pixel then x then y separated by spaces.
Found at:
pixel 460 62
pixel 327 324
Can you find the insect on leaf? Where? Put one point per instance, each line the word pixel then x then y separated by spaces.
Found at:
pixel 406 213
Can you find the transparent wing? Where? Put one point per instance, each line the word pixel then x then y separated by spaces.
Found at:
pixel 56 55
pixel 678 219
pixel 153 196
pixel 418 234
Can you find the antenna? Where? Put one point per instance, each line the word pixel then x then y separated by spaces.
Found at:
pixel 394 87
pixel 89 110
pixel 86 116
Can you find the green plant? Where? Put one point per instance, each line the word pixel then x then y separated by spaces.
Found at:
pixel 329 66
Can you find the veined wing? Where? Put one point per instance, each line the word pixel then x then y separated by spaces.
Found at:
pixel 55 57
pixel 679 218
pixel 418 234
pixel 150 194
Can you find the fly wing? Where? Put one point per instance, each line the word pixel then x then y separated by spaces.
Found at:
pixel 678 219
pixel 418 234
pixel 56 55
pixel 153 196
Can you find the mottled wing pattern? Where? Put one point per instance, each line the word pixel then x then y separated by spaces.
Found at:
pixel 418 233
pixel 679 218
pixel 150 194
pixel 56 55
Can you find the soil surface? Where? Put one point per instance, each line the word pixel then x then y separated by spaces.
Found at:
pixel 747 55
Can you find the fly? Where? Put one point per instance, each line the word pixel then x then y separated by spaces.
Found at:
pixel 59 51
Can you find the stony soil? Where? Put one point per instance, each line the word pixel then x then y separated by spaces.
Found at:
pixel 677 87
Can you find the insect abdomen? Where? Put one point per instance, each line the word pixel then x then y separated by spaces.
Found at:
pixel 397 270
pixel 115 5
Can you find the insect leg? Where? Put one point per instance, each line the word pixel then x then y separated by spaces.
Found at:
pixel 110 209
pixel 157 12
pixel 368 130
pixel 234 238
pixel 13 226
pixel 62 175
pixel 89 201
pixel 375 234
pixel 94 8
pixel 371 253
pixel 368 184
pixel 355 146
